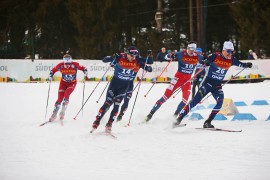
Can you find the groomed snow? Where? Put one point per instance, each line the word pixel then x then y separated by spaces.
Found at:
pixel 141 151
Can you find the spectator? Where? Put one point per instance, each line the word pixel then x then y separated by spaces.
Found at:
pixel 161 55
pixel 252 55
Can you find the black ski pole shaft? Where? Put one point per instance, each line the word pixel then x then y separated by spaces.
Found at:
pixel 224 83
pixel 83 93
pixel 106 84
pixel 138 90
pixel 91 93
pixel 140 80
pixel 134 105
pixel 47 106
pixel 158 77
pixel 180 89
pixel 104 89
pixel 48 96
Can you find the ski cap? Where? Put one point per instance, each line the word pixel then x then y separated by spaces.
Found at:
pixel 67 59
pixel 133 51
pixel 192 46
pixel 228 45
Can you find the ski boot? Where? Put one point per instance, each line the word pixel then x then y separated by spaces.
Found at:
pixel 55 111
pixel 175 115
pixel 120 116
pixel 108 127
pixel 148 117
pixel 63 110
pixel 178 121
pixel 207 124
pixel 95 125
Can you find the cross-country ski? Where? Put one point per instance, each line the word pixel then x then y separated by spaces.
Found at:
pixel 219 129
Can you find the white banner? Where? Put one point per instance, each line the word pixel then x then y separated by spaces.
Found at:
pixel 38 70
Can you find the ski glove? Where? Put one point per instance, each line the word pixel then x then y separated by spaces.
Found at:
pixel 51 76
pixel 115 55
pixel 249 64
pixel 207 63
pixel 173 56
pixel 85 72
pixel 112 64
pixel 148 68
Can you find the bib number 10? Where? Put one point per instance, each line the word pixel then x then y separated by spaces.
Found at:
pixel 189 66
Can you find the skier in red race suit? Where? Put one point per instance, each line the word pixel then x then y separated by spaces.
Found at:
pixel 68 82
pixel 187 61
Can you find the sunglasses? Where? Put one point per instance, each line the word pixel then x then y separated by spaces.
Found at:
pixel 132 55
pixel 229 51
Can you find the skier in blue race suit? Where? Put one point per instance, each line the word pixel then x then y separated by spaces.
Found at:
pixel 126 67
pixel 219 63
pixel 130 90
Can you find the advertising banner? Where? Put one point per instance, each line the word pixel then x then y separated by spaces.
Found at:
pixel 38 70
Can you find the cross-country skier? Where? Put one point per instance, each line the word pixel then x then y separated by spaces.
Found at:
pixel 130 90
pixel 196 82
pixel 68 82
pixel 187 61
pixel 126 68
pixel 219 63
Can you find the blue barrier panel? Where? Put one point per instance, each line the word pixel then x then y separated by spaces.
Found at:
pixel 211 106
pixel 260 102
pixel 198 107
pixel 220 117
pixel 244 116
pixel 240 103
pixel 195 116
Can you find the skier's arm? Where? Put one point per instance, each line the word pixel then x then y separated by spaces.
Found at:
pixel 236 62
pixel 146 67
pixel 54 70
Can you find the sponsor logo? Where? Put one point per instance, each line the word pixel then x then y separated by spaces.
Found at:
pixel 226 64
pixel 190 60
pixel 68 71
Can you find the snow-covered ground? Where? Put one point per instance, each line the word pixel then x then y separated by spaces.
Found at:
pixel 141 151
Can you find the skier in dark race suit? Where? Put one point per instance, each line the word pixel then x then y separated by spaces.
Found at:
pixel 126 67
pixel 130 89
pixel 219 63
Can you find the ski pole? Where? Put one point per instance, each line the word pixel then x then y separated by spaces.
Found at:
pixel 48 100
pixel 224 84
pixel 47 106
pixel 144 72
pixel 137 91
pixel 158 77
pixel 107 82
pixel 180 88
pixel 104 89
pixel 83 93
pixel 91 93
